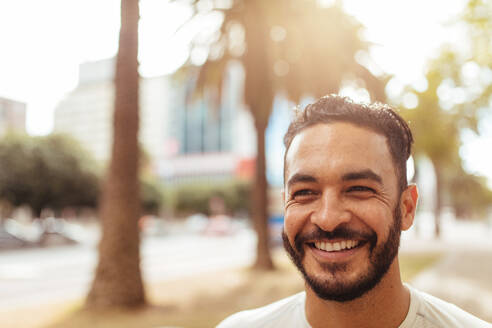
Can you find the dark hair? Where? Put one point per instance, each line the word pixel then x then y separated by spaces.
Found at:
pixel 378 117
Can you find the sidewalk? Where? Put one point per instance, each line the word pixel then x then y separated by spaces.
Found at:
pixel 462 277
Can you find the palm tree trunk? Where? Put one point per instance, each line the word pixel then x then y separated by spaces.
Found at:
pixel 416 224
pixel 258 95
pixel 118 281
pixel 260 204
pixel 438 200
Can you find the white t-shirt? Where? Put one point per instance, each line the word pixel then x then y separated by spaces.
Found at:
pixel 425 311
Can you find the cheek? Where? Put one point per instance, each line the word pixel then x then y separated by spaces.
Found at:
pixel 375 215
pixel 294 220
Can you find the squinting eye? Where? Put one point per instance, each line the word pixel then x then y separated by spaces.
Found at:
pixel 302 193
pixel 360 189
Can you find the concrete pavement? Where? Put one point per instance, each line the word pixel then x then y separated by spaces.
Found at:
pixel 463 277
pixel 464 274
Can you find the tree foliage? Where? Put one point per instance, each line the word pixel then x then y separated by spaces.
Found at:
pixel 47 172
pixel 478 19
pixel 296 48
pixel 469 195
pixel 56 172
pixel 458 93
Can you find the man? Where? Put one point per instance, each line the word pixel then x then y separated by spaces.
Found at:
pixel 346 201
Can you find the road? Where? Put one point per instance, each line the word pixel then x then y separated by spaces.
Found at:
pixel 50 275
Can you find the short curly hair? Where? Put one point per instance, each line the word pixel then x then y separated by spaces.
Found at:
pixel 378 117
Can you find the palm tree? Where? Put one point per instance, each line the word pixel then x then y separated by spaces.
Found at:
pixel 296 47
pixel 118 281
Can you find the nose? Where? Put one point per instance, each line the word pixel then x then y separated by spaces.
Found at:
pixel 330 212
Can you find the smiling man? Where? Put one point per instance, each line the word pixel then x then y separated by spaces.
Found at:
pixel 346 201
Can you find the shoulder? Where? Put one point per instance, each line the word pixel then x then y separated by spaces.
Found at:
pixel 441 313
pixel 284 313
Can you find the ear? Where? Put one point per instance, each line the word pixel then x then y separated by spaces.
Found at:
pixel 408 206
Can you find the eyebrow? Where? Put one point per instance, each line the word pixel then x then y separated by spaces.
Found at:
pixel 299 177
pixel 360 175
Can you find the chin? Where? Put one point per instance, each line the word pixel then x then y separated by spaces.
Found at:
pixel 342 282
pixel 344 286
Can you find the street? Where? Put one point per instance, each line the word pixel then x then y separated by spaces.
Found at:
pixel 50 275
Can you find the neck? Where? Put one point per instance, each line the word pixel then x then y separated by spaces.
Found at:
pixel 369 310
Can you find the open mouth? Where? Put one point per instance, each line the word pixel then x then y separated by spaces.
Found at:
pixel 342 245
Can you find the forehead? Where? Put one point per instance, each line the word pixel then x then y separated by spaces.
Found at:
pixel 333 149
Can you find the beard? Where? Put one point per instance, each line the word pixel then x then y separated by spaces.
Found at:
pixel 332 289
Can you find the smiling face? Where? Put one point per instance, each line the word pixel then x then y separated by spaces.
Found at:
pixel 342 209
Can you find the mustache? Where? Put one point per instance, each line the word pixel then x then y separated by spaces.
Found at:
pixel 340 232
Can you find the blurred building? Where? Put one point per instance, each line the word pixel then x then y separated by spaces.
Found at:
pixel 86 112
pixel 186 140
pixel 211 140
pixel 12 116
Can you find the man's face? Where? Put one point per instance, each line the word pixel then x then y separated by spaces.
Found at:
pixel 342 213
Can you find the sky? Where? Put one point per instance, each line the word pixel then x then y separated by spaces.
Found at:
pixel 43 43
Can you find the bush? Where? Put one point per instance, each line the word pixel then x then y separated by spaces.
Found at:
pixel 151 195
pixel 194 198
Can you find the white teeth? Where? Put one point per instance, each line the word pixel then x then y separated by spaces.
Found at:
pixel 330 247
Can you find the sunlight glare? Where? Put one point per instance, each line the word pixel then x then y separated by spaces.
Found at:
pixel 410 100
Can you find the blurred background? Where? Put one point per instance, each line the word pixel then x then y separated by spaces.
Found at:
pixel 219 80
